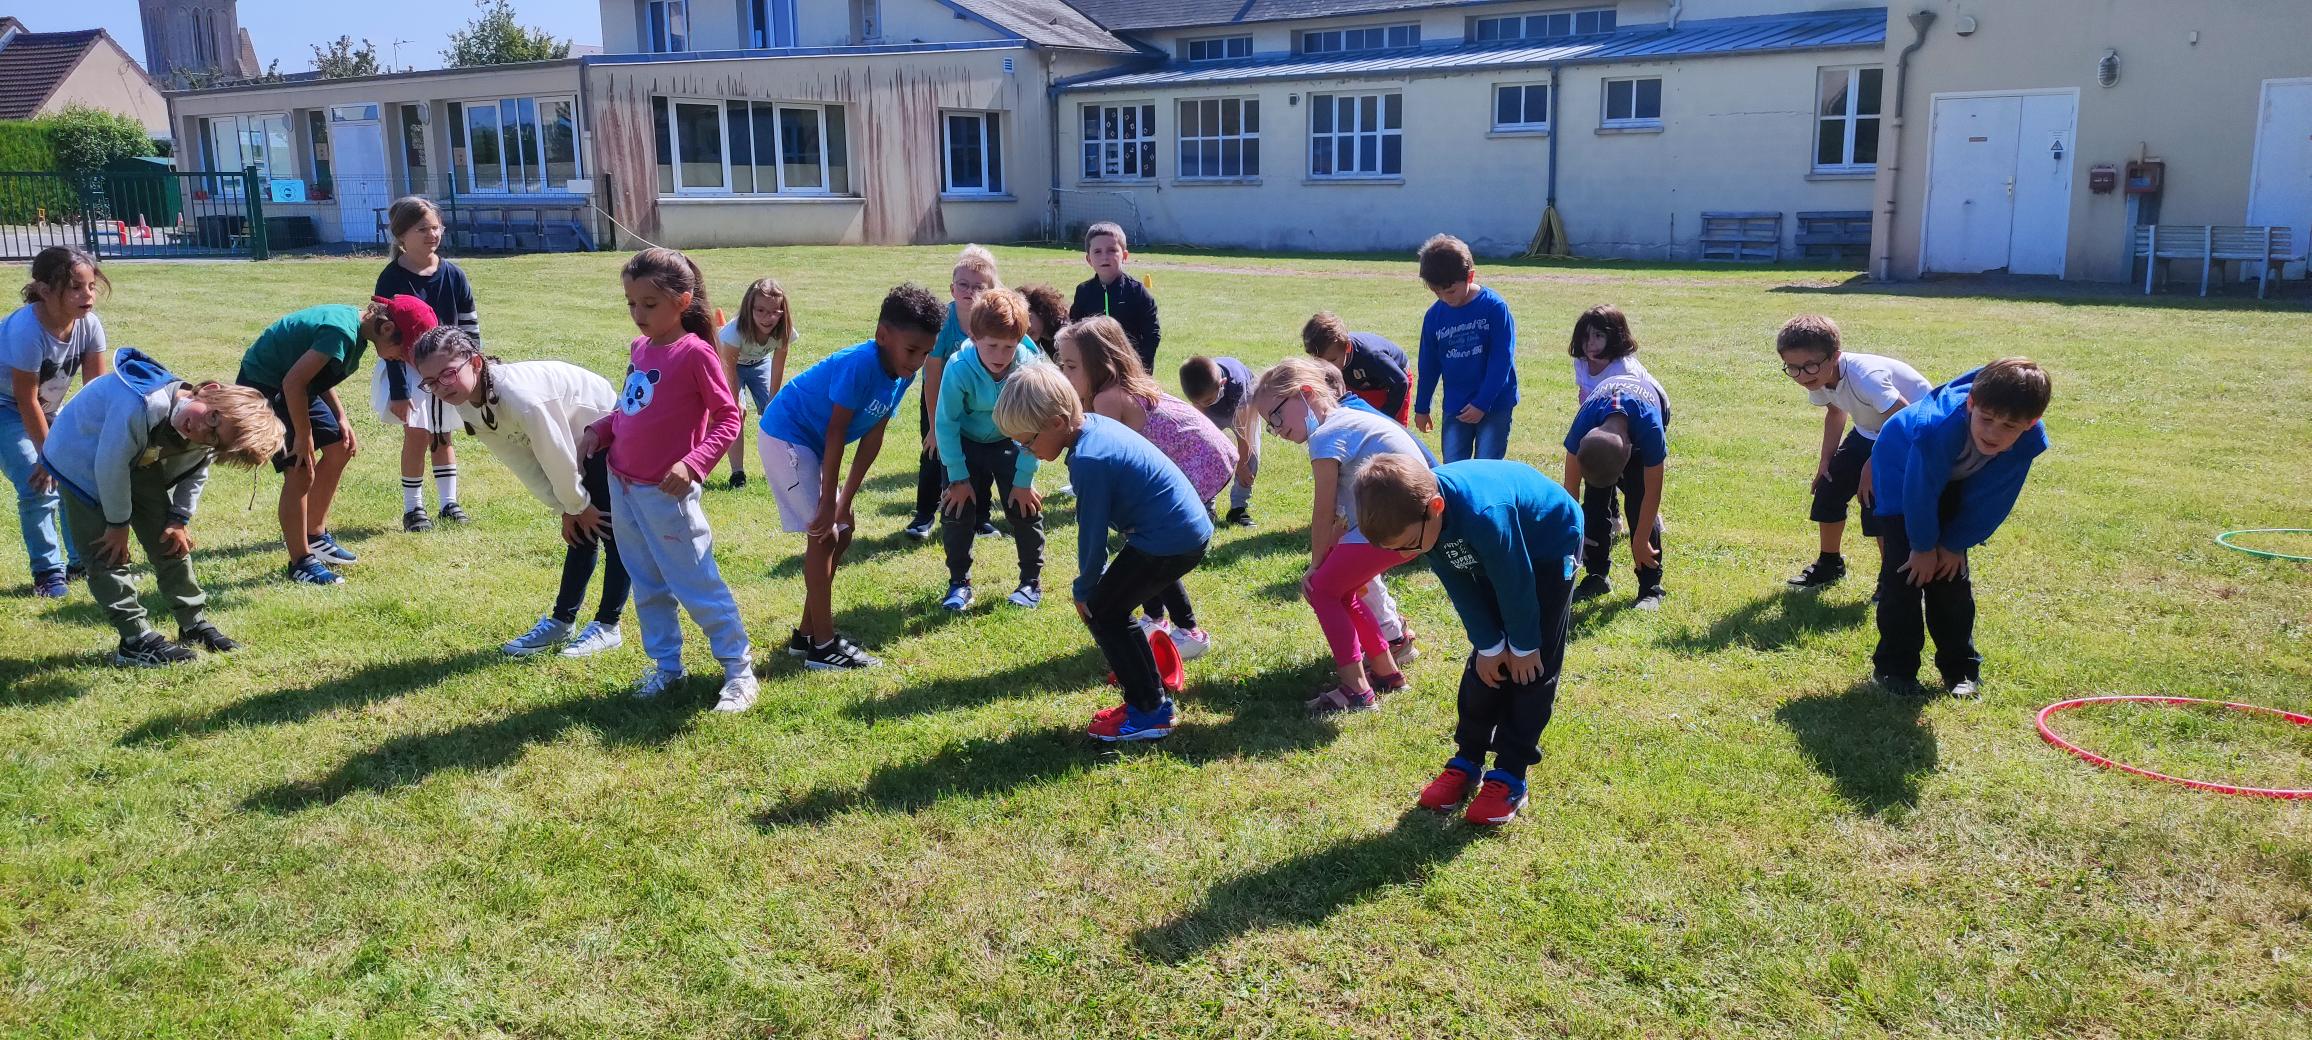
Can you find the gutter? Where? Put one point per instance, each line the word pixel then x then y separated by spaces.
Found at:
pixel 1882 227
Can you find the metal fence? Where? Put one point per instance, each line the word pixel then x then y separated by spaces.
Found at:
pixel 134 214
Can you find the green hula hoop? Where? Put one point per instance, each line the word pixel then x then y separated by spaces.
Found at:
pixel 2225 540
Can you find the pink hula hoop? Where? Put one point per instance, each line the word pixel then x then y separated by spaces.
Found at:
pixel 2048 734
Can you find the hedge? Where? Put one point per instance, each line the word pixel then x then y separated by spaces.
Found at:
pixel 77 137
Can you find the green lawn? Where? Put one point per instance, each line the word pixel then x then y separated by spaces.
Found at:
pixel 370 824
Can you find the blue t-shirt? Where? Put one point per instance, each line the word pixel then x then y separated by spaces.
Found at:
pixel 852 377
pixel 1123 482
pixel 1624 395
pixel 1505 526
pixel 1473 348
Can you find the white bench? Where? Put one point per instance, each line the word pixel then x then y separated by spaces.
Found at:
pixel 2266 246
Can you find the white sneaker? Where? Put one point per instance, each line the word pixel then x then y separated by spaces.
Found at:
pixel 1193 642
pixel 545 635
pixel 597 638
pixel 738 692
pixel 1066 491
pixel 658 681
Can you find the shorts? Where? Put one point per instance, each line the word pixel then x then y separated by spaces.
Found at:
pixel 424 412
pixel 326 429
pixel 1831 494
pixel 793 474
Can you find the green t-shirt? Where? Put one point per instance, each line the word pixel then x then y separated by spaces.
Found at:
pixel 332 329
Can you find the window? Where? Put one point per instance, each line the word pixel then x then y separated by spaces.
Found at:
pixel 1541 26
pixel 1356 135
pixel 414 149
pixel 1218 48
pixel 1367 38
pixel 770 23
pixel 317 187
pixel 667 25
pixel 1847 120
pixel 514 145
pixel 1520 107
pixel 1119 142
pixel 867 20
pixel 1219 138
pixel 1633 102
pixel 234 142
pixel 972 143
pixel 749 148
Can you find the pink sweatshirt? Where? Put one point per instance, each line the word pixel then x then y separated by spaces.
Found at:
pixel 675 407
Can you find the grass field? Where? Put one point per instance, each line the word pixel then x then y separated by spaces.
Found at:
pixel 370 824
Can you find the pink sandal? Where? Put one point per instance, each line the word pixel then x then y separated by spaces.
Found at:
pixel 1337 701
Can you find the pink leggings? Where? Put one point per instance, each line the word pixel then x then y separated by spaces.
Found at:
pixel 1336 590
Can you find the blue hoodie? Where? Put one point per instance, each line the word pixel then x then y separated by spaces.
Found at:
pixel 1912 463
pixel 1505 525
pixel 119 423
pixel 1123 482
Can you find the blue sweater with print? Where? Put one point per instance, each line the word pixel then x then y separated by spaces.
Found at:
pixel 1911 466
pixel 1122 482
pixel 1473 348
pixel 1505 526
pixel 1649 443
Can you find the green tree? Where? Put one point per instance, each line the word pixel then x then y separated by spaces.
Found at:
pixel 92 139
pixel 495 38
pixel 342 60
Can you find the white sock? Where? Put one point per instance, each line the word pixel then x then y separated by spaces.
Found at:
pixel 446 479
pixel 412 493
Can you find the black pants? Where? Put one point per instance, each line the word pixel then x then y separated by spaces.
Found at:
pixel 1947 606
pixel 930 474
pixel 1508 719
pixel 578 560
pixel 1833 493
pixel 1171 602
pixel 992 463
pixel 1131 578
pixel 1597 545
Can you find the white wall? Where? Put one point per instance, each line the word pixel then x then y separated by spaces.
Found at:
pixel 717 25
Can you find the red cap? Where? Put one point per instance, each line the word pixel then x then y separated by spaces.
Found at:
pixel 411 317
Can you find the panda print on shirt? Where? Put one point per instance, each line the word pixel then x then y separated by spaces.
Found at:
pixel 641 388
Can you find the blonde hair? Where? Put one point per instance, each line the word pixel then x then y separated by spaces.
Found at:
pixel 977 258
pixel 1032 397
pixel 762 287
pixel 1291 374
pixel 999 313
pixel 247 430
pixel 1393 493
pixel 1109 360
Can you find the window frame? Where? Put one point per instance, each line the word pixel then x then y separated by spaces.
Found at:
pixel 1226 43
pixel 1525 105
pixel 1603 20
pixel 1608 121
pixel 1410 30
pixel 1246 137
pixel 417 176
pixel 1852 118
pixel 828 143
pixel 991 168
pixel 761 36
pixel 1380 135
pixel 1144 113
pixel 671 42
pixel 245 128
pixel 530 114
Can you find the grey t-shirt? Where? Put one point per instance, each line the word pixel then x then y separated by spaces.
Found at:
pixel 26 346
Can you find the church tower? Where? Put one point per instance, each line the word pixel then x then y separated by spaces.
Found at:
pixel 189 42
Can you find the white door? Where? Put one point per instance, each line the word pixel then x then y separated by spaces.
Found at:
pixel 1999 184
pixel 2042 185
pixel 2280 188
pixel 357 169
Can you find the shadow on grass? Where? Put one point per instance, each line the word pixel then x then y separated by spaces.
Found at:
pixel 1021 680
pixel 1593 614
pixel 1308 889
pixel 862 550
pixel 1871 744
pixel 1773 621
pixel 350 536
pixel 369 685
pixel 1267 543
pixel 33 681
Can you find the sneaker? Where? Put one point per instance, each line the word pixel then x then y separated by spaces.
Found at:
pixel 151 650
pixel 309 570
pixel 656 682
pixel 596 639
pixel 1451 788
pixel 1115 714
pixel 798 644
pixel 1405 648
pixel 416 522
pixel 1825 570
pixel 1241 516
pixel 987 529
pixel 206 636
pixel 1967 689
pixel 1592 587
pixel 1066 491
pixel 75 572
pixel 1193 642
pixel 50 585
pixel 325 548
pixel 1029 595
pixel 959 598
pixel 1900 685
pixel 1337 701
pixel 547 634
pixel 1133 724
pixel 738 692
pixel 1650 600
pixel 738 480
pixel 838 654
pixel 1497 801
pixel 453 513
pixel 920 529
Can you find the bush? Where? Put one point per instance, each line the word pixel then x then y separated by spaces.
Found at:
pixel 29 147
pixel 92 139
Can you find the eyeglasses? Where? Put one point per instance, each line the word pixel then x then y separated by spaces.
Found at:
pixel 1275 425
pixel 1807 369
pixel 435 383
pixel 1418 534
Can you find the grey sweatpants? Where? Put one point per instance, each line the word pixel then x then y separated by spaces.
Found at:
pixel 669 556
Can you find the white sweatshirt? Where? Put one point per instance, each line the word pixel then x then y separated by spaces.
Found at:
pixel 542 408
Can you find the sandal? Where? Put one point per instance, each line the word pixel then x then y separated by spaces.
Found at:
pixel 1386 683
pixel 1403 649
pixel 1337 701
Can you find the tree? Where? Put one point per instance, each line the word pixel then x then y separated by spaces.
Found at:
pixel 342 60
pixel 92 139
pixel 495 39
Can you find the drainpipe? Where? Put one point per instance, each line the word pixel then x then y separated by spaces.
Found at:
pixel 1553 135
pixel 1890 157
pixel 1052 136
pixel 1677 8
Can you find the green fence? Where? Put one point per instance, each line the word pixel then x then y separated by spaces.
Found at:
pixel 122 214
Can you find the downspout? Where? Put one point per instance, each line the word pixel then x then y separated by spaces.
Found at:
pixel 1553 135
pixel 1052 139
pixel 1882 230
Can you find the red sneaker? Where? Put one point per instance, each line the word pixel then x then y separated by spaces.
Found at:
pixel 1126 724
pixel 1496 803
pixel 1448 790
pixel 1108 714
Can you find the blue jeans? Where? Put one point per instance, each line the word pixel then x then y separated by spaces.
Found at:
pixel 1488 438
pixel 46 542
pixel 756 379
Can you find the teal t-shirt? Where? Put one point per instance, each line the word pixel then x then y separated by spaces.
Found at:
pixel 330 329
pixel 951 337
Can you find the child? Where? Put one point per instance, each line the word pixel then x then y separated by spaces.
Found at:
pixel 1469 340
pixel 674 418
pixel 1502 540
pixel 849 396
pixel 1616 442
pixel 1118 295
pixel 1866 386
pixel 1109 381
pixel 1344 580
pixel 974 274
pixel 532 415
pixel 46 342
pixel 1047 312
pixel 754 357
pixel 1374 368
pixel 1125 484
pixel 1221 388
pixel 1602 347
pixel 976 454
pixel 132 453
pixel 417 269
pixel 297 363
pixel 1948 470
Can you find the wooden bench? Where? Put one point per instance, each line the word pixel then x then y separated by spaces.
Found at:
pixel 1839 236
pixel 2266 246
pixel 1746 237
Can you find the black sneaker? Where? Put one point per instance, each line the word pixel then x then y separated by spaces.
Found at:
pixel 1825 570
pixel 151 650
pixel 1241 516
pixel 738 480
pixel 206 636
pixel 988 530
pixel 920 529
pixel 416 522
pixel 798 645
pixel 75 572
pixel 1900 685
pixel 838 654
pixel 452 513
pixel 1592 587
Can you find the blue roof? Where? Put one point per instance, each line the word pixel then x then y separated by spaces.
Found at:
pixel 1817 30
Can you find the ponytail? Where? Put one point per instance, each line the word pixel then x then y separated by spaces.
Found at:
pixel 675 274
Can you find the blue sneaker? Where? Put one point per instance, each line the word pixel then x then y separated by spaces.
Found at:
pixel 52 585
pixel 1131 723
pixel 311 571
pixel 1030 595
pixel 326 549
pixel 959 599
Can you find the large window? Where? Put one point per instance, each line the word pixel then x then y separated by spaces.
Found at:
pixel 1219 138
pixel 230 143
pixel 666 25
pixel 1367 38
pixel 1119 142
pixel 415 148
pixel 1520 108
pixel 971 144
pixel 514 145
pixel 1847 120
pixel 1356 135
pixel 749 148
pixel 1633 102
pixel 770 23
pixel 1218 48
pixel 1541 26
